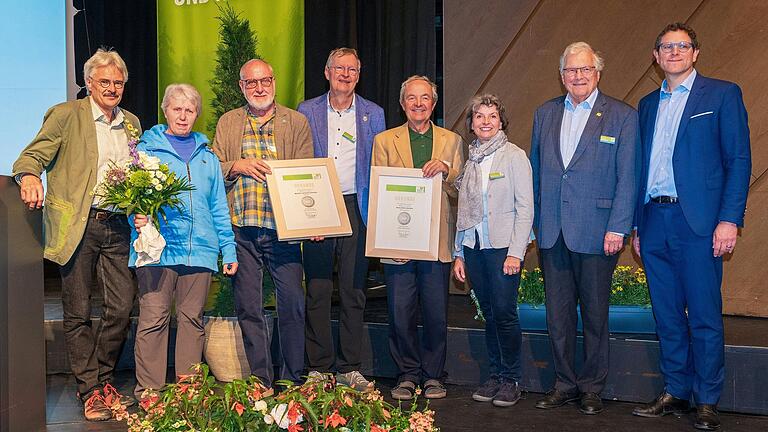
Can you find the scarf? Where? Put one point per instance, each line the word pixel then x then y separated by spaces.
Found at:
pixel 470 182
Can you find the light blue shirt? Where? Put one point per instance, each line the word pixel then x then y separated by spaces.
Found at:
pixel 661 177
pixel 574 120
pixel 468 235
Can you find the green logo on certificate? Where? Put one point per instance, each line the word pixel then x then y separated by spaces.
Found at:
pixel 294 177
pixel 406 188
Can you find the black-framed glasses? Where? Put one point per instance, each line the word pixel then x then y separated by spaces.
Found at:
pixel 105 83
pixel 682 47
pixel 253 83
pixel 586 71
pixel 353 71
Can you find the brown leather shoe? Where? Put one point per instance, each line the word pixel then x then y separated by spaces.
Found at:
pixel 556 398
pixel 707 418
pixel 663 405
pixel 112 397
pixel 95 409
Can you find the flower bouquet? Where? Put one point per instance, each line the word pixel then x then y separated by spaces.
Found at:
pixel 143 185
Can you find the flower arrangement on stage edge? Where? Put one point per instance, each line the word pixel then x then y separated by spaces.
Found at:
pixel 629 287
pixel 199 403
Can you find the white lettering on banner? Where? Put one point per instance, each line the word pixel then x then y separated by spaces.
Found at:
pixel 191 2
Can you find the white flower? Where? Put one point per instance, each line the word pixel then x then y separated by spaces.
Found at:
pixel 158 187
pixel 260 405
pixel 279 415
pixel 149 162
pixel 155 181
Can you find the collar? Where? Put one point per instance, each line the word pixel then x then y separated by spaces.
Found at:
pixel 427 134
pixel 684 86
pixel 99 116
pixel 332 109
pixel 252 116
pixel 587 103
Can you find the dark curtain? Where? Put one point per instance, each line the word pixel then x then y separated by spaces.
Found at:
pixel 130 27
pixel 394 38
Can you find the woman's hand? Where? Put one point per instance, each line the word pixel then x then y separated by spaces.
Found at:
pixel 458 270
pixel 511 265
pixel 230 269
pixel 140 221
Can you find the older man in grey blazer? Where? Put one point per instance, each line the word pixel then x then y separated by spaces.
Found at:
pixel 584 154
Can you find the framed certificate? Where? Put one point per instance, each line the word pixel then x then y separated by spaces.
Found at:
pixel 403 214
pixel 306 199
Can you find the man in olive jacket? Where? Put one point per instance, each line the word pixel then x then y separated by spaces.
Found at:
pixel 75 146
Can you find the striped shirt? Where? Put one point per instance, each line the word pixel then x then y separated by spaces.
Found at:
pixel 251 205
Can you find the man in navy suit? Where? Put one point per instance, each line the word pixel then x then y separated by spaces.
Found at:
pixel 343 125
pixel 584 153
pixel 696 166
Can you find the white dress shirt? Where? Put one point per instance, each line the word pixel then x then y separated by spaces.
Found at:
pixel 112 143
pixel 342 144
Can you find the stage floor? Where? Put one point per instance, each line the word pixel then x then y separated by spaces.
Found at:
pixel 456 413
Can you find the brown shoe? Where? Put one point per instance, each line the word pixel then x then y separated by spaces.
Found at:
pixel 112 397
pixel 95 409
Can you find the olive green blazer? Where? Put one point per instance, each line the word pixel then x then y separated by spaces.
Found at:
pixel 66 149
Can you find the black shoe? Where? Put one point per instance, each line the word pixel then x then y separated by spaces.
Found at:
pixel 707 418
pixel 590 404
pixel 508 394
pixel 663 405
pixel 487 391
pixel 556 398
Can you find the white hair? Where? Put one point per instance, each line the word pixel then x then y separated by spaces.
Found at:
pixel 578 47
pixel 182 91
pixel 104 57
pixel 418 78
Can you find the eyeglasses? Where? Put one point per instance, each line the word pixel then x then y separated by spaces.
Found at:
pixel 682 47
pixel 253 83
pixel 586 71
pixel 105 83
pixel 341 69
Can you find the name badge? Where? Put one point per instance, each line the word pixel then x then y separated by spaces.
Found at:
pixel 496 175
pixel 607 139
pixel 348 136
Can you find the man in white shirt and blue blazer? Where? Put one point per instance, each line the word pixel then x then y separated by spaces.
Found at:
pixel 343 125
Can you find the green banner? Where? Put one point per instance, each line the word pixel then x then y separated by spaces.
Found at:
pixel 188 37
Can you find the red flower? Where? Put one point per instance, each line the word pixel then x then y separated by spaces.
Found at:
pixel 237 406
pixel 335 420
pixel 293 412
pixel 295 428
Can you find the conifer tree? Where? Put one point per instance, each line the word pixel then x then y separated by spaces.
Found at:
pixel 237 44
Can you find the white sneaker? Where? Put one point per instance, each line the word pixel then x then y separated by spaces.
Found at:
pixel 354 380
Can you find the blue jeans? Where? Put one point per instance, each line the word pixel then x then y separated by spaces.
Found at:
pixel 256 248
pixel 497 295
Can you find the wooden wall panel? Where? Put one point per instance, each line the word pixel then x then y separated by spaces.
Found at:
pixel 512 48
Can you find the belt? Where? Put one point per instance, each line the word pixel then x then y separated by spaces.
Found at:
pixel 663 199
pixel 101 215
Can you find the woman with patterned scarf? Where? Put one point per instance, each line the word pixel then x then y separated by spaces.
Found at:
pixel 492 233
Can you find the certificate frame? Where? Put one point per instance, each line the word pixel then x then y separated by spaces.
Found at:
pixel 287 224
pixel 430 249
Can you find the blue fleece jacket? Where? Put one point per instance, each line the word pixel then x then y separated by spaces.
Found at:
pixel 195 235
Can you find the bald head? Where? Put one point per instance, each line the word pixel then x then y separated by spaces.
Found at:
pixel 257 82
pixel 254 63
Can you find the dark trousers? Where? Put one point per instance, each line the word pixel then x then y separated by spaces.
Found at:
pixel 161 287
pixel 572 278
pixel 497 295
pixel 409 285
pixel 349 254
pixel 100 259
pixel 684 280
pixel 256 248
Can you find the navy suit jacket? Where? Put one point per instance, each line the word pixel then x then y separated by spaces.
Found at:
pixel 596 193
pixel 711 161
pixel 370 121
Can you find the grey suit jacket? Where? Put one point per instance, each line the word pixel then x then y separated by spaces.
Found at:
pixel 596 192
pixel 510 203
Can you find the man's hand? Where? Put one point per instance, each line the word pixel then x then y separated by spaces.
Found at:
pixel 230 269
pixel 636 243
pixel 433 167
pixel 316 238
pixel 612 243
pixel 400 260
pixel 458 270
pixel 32 193
pixel 255 168
pixel 724 238
pixel 140 221
pixel 511 265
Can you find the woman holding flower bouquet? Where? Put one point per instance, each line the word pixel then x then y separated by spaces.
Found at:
pixel 194 232
pixel 493 228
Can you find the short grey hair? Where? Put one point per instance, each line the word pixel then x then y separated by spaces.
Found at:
pixel 578 47
pixel 417 78
pixel 341 52
pixel 490 100
pixel 182 91
pixel 104 57
pixel 242 68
